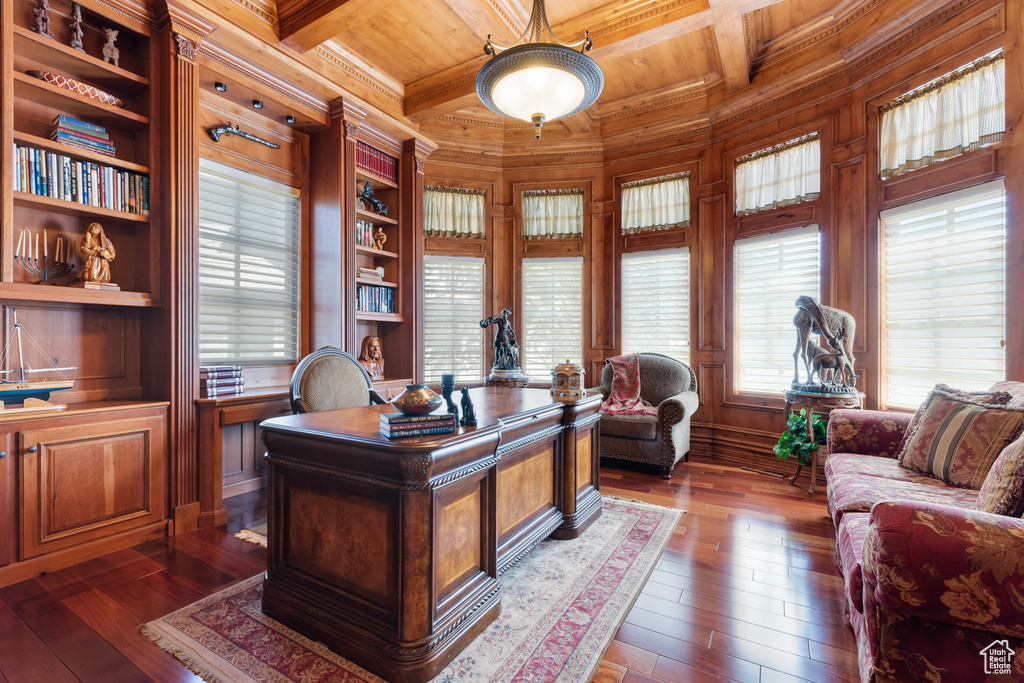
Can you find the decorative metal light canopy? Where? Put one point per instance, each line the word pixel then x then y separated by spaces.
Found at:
pixel 541 80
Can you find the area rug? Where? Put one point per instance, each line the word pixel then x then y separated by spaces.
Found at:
pixel 560 609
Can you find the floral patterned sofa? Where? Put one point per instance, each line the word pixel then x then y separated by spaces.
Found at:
pixel 929 535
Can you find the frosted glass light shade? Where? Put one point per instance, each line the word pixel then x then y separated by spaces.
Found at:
pixel 552 93
pixel 539 78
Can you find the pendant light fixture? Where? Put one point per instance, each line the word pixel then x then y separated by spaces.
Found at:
pixel 541 80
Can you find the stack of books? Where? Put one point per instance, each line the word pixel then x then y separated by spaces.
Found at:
pixel 48 174
pixel 217 381
pixel 375 299
pixel 395 425
pixel 82 134
pixel 364 233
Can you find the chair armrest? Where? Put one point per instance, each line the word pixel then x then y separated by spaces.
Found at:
pixel 601 390
pixel 868 432
pixel 946 564
pixel 375 398
pixel 674 408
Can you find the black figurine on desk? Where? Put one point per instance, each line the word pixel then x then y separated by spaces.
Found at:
pixel 447 387
pixel 468 411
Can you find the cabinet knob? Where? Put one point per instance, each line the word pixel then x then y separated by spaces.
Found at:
pixel 3 454
pixel 32 449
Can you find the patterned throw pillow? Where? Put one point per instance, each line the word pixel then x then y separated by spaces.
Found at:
pixel 957 439
pixel 1003 490
pixel 988 397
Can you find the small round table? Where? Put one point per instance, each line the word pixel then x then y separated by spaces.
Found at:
pixel 821 403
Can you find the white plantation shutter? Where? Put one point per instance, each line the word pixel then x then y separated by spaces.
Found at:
pixel 552 316
pixel 952 115
pixel 943 293
pixel 771 272
pixel 453 306
pixel 778 176
pixel 656 302
pixel 248 268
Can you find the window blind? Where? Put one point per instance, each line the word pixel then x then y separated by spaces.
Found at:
pixel 248 268
pixel 656 302
pixel 778 176
pixel 656 204
pixel 453 306
pixel 453 212
pixel 943 293
pixel 552 214
pixel 770 272
pixel 952 115
pixel 552 317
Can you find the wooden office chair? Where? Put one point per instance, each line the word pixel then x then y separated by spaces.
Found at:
pixel 328 379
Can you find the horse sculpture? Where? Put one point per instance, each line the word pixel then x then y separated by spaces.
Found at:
pixel 837 327
pixel 379 207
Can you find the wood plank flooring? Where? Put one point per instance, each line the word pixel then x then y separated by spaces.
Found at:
pixel 746 590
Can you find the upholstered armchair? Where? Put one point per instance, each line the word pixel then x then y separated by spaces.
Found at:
pixel 328 379
pixel 660 440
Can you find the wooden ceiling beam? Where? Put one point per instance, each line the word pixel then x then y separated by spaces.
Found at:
pixel 503 20
pixel 732 43
pixel 443 92
pixel 304 25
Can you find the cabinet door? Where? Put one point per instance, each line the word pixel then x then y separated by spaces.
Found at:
pixel 88 481
pixel 7 499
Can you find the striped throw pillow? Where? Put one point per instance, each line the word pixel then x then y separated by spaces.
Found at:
pixel 1003 490
pixel 957 439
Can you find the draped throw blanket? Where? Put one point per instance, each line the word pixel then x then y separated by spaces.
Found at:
pixel 624 397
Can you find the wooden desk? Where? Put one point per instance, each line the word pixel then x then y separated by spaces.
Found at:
pixel 389 551
pixel 822 404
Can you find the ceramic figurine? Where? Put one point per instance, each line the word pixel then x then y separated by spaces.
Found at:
pixel 468 410
pixel 110 52
pixel 42 16
pixel 379 238
pixel 98 251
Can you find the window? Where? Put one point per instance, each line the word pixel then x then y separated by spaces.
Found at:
pixel 943 294
pixel 785 174
pixel 453 212
pixel 771 271
pixel 552 322
pixel 552 214
pixel 453 306
pixel 656 302
pixel 656 204
pixel 952 115
pixel 248 268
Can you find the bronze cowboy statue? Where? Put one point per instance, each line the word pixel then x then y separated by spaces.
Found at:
pixel 834 366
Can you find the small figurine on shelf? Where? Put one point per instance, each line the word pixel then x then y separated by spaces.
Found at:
pixel 366 195
pixel 379 238
pixel 447 387
pixel 42 15
pixel 76 27
pixel 371 357
pixel 110 52
pixel 98 252
pixel 468 409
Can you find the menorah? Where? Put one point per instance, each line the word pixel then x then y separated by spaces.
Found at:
pixel 28 258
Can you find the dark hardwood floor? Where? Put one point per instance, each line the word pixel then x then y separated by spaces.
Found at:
pixel 747 590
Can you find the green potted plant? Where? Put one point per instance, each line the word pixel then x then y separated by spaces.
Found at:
pixel 795 440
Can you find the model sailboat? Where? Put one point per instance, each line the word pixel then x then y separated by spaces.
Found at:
pixel 28 385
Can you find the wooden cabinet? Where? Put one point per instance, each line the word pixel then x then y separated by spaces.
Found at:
pixel 87 481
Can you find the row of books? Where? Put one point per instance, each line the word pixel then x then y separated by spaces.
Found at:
pixel 47 174
pixel 364 233
pixel 395 425
pixel 82 134
pixel 369 274
pixel 221 380
pixel 372 160
pixel 375 299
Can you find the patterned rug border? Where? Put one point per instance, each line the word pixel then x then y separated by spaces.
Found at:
pixel 188 652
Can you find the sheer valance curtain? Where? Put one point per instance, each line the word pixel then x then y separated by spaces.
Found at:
pixel 453 212
pixel 656 204
pixel 955 114
pixel 552 214
pixel 779 176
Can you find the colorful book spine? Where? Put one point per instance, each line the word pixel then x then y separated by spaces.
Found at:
pixel 48 174
pixel 427 431
pixel 206 369
pixel 400 428
pixel 375 299
pixel 68 122
pixel 402 418
pixel 84 137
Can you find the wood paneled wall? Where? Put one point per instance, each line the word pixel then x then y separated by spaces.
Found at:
pixel 844 111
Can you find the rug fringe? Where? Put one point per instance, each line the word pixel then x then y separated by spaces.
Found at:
pixel 191 661
pixel 252 537
pixel 607 496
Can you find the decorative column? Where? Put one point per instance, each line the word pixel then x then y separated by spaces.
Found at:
pixel 181 34
pixel 414 156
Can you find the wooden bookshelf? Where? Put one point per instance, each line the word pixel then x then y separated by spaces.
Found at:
pixel 27 199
